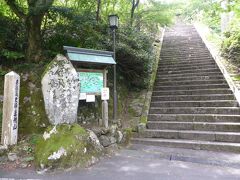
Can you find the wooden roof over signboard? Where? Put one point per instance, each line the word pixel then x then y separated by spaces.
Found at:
pixel 90 57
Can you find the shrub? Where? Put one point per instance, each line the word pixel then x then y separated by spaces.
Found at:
pixel 134 57
pixel 231 43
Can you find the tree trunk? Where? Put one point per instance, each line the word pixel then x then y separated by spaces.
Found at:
pixel 134 6
pixel 98 10
pixel 34 50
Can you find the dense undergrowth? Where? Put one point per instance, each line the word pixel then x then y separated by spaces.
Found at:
pixel 231 43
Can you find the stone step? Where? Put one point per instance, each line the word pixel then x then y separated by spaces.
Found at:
pixel 195 110
pixel 189 50
pixel 190 87
pixel 189 144
pixel 167 54
pixel 163 68
pixel 190 82
pixel 198 126
pixel 193 92
pixel 193 135
pixel 181 61
pixel 174 60
pixel 193 97
pixel 192 105
pixel 183 56
pixel 185 50
pixel 188 64
pixel 216 103
pixel 175 47
pixel 194 117
pixel 170 79
pixel 189 71
pixel 189 75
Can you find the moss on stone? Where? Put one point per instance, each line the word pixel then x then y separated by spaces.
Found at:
pixel 128 132
pixel 73 139
pixel 143 119
pixel 132 112
pixel 32 116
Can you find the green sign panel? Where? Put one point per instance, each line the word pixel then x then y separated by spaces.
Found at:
pixel 91 82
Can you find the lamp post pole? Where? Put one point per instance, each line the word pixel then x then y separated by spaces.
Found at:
pixel 113 22
pixel 115 99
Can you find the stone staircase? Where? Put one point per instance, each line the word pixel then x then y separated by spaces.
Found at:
pixel 192 105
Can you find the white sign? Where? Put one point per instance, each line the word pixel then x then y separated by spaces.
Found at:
pixel 90 98
pixel 83 96
pixel 105 94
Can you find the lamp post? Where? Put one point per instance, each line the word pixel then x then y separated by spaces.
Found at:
pixel 113 23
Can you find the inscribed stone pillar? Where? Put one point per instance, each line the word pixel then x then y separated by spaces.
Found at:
pixel 10 109
pixel 60 87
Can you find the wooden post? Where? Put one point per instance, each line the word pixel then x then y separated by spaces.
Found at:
pixel 105 103
pixel 105 113
pixel 10 109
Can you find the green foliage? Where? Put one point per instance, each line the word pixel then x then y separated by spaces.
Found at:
pixel 11 54
pixel 205 11
pixel 236 78
pixel 231 42
pixel 73 23
pixel 134 57
pixel 154 15
pixel 2 73
pixel 134 54
pixel 73 29
pixel 12 36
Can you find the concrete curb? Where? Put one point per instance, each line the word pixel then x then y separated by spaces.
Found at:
pixel 147 101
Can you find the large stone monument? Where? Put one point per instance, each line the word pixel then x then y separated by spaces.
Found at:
pixel 10 109
pixel 60 87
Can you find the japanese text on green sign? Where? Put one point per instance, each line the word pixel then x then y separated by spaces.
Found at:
pixel 91 82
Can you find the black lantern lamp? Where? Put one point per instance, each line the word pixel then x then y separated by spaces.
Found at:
pixel 113 21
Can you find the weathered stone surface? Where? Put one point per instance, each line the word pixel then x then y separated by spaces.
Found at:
pixel 12 156
pixel 141 127
pixel 10 109
pixel 60 87
pixel 107 140
pixel 111 149
pixel 94 140
pixel 119 136
pixel 104 140
pixel 100 131
pixel 113 129
pixel 112 140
